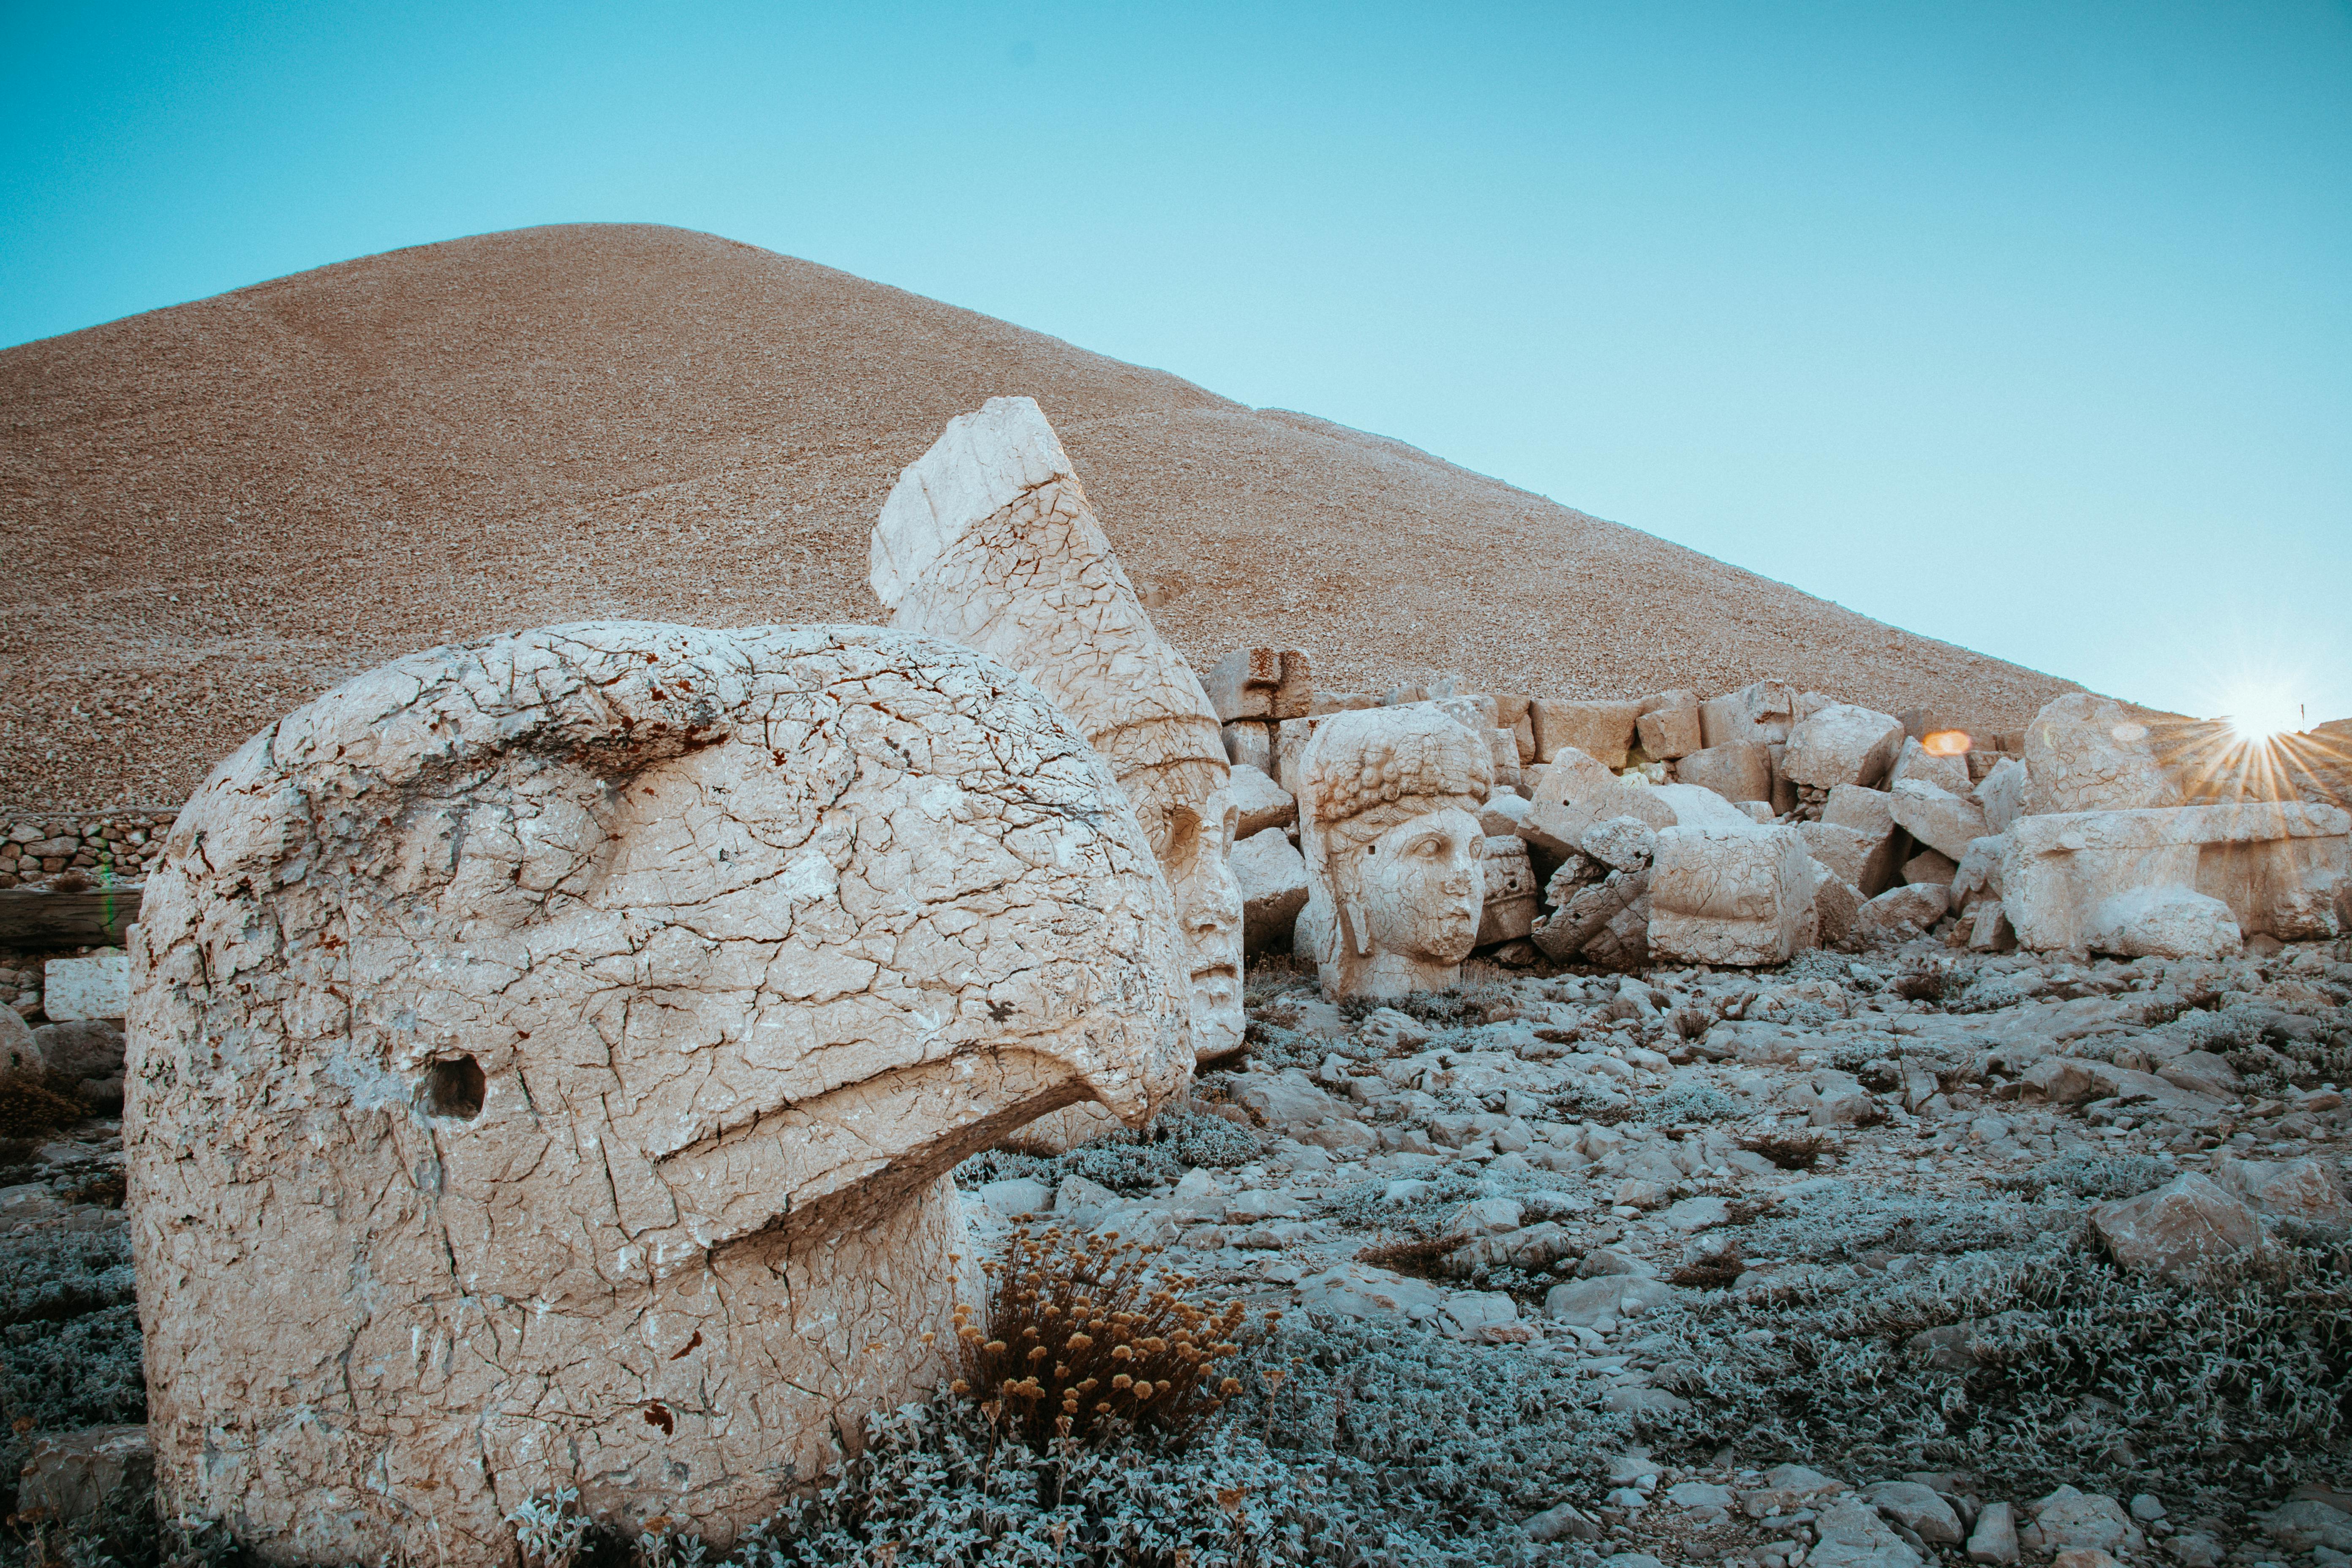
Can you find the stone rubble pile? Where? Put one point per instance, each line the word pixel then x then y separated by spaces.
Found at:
pixel 41 849
pixel 1745 828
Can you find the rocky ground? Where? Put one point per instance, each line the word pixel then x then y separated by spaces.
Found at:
pixel 1848 1263
pixel 1697 1201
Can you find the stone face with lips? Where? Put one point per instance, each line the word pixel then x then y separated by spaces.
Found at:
pixel 1394 883
pixel 988 540
pixel 546 1057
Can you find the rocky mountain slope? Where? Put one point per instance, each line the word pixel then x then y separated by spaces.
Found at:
pixel 216 511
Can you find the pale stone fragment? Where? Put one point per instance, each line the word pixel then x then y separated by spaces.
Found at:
pixel 98 986
pixel 1853 1536
pixel 1504 814
pixel 988 540
pixel 1836 902
pixel 1622 843
pixel 21 1062
pixel 1394 851
pixel 1764 710
pixel 1670 733
pixel 1602 730
pixel 1249 743
pixel 1738 772
pixel 1578 792
pixel 546 1055
pixel 1511 881
pixel 2167 920
pixel 1729 896
pixel 2284 868
pixel 1868 811
pixel 2087 752
pixel 1931 867
pixel 1851 854
pixel 2002 793
pixel 1272 878
pixel 1842 744
pixel 1259 803
pixel 1912 908
pixel 2184 1222
pixel 1936 817
pixel 1265 683
pixel 1978 874
pixel 1324 702
pixel 1945 773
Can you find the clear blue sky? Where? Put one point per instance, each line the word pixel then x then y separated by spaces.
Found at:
pixel 2029 326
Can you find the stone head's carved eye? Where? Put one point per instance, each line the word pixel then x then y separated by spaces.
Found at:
pixel 455 1088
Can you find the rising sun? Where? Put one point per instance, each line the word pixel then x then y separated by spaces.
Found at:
pixel 2261 711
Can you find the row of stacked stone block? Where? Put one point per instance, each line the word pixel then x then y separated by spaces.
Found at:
pixel 1797 819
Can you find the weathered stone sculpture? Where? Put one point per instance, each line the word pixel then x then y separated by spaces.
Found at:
pixel 1395 886
pixel 987 540
pixel 547 1056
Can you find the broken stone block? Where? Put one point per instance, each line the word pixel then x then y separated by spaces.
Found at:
pixel 1264 683
pixel 1728 896
pixel 1908 907
pixel 2001 794
pixel 1993 1542
pixel 1602 730
pixel 1945 773
pixel 1610 1299
pixel 1852 855
pixel 2286 1189
pixel 1989 929
pixel 1290 738
pixel 1669 733
pixel 1742 771
pixel 1272 878
pixel 1929 867
pixel 1324 702
pixel 2086 752
pixel 1936 817
pixel 2070 1520
pixel 725 947
pixel 2284 868
pixel 1870 812
pixel 2165 921
pixel 22 1065
pixel 1259 803
pixel 1396 889
pixel 97 986
pixel 1842 744
pixel 1853 1536
pixel 1578 792
pixel 1978 874
pixel 1249 743
pixel 988 540
pixel 1585 914
pixel 2185 1222
pixel 1504 814
pixel 1836 903
pixel 1763 711
pixel 1622 843
pixel 1510 907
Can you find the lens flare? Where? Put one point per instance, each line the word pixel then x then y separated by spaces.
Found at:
pixel 1946 743
pixel 2261 711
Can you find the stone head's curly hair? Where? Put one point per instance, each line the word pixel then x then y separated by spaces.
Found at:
pixel 1374 768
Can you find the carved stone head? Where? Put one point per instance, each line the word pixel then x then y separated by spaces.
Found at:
pixel 988 540
pixel 546 1057
pixel 1394 884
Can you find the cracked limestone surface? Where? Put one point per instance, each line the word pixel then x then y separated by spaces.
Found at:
pixel 546 1055
pixel 1395 887
pixel 988 540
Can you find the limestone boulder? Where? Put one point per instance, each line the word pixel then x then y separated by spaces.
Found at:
pixel 1729 896
pixel 2087 752
pixel 1928 868
pixel 21 1064
pixel 1911 908
pixel 2284 868
pixel 2001 794
pixel 1602 730
pixel 1622 843
pixel 1842 744
pixel 1837 903
pixel 2299 1189
pixel 1668 733
pixel 1762 712
pixel 2164 922
pixel 73 1476
pixel 1578 792
pixel 1978 876
pixel 96 985
pixel 1267 684
pixel 1272 876
pixel 1738 772
pixel 1944 821
pixel 2181 1225
pixel 1511 904
pixel 1259 803
pixel 1917 762
pixel 546 1057
pixel 1869 812
pixel 1919 1508
pixel 1609 1299
pixel 1852 1535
